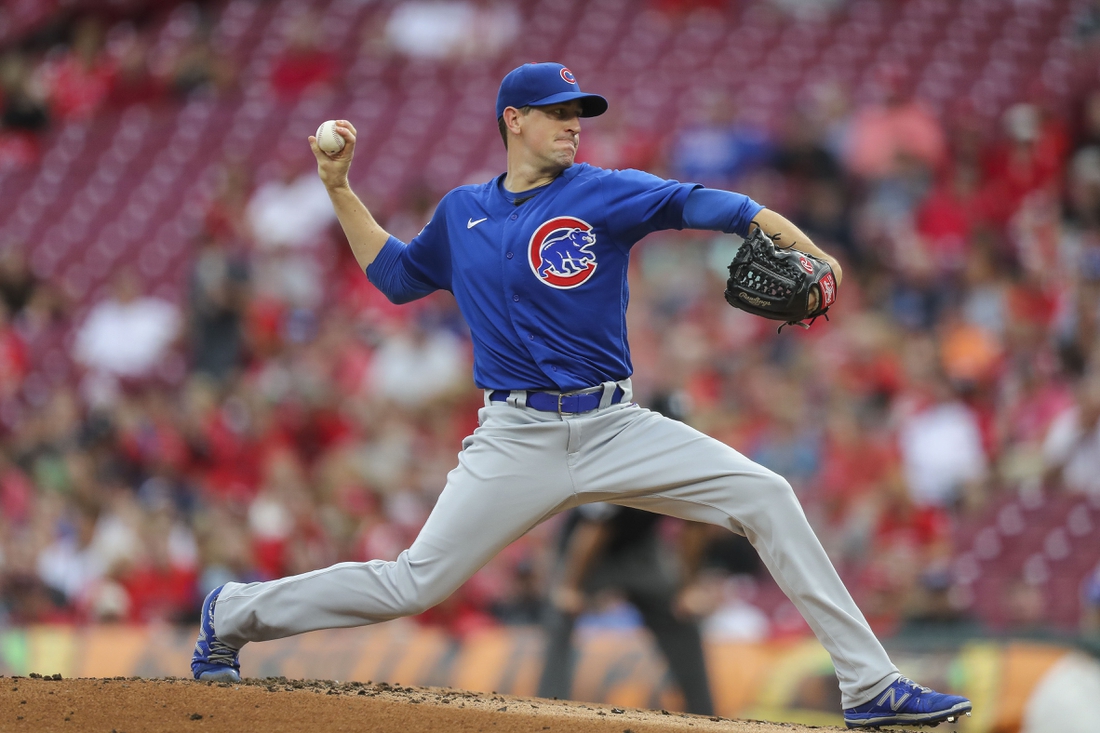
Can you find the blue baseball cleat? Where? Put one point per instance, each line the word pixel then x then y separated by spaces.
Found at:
pixel 213 660
pixel 907 703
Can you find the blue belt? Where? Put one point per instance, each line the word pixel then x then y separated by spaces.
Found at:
pixel 561 403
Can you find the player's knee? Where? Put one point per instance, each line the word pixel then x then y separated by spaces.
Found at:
pixel 414 585
pixel 771 494
pixel 781 486
pixel 422 599
pixel 781 492
pixel 769 486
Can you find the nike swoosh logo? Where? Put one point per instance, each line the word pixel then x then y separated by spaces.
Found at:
pixel 471 223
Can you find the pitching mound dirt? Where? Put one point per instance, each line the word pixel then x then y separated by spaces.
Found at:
pixel 277 705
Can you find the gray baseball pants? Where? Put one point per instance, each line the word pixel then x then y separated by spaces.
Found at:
pixel 521 467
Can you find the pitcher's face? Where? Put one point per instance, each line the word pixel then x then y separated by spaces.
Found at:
pixel 553 133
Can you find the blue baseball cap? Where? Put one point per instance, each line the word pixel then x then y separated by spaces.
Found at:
pixel 537 85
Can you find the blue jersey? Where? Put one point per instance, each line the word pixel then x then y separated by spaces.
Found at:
pixel 540 277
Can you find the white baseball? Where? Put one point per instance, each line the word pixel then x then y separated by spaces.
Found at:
pixel 328 139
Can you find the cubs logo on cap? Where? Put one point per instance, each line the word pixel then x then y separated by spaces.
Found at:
pixel 560 252
pixel 539 85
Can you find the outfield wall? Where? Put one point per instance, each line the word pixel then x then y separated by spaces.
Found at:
pixel 784 681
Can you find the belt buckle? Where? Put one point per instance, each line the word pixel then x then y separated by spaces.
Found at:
pixel 560 395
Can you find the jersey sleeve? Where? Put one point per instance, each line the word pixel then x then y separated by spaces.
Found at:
pixel 406 272
pixel 720 211
pixel 639 203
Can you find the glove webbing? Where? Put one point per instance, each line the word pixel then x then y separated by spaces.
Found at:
pixel 777 283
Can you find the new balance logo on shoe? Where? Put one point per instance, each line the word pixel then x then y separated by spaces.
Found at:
pixel 891 694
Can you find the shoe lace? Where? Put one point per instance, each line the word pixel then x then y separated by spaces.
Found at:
pixel 221 653
pixel 911 683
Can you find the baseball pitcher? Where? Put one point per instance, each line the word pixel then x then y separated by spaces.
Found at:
pixel 537 260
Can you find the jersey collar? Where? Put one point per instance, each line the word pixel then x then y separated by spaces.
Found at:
pixel 510 198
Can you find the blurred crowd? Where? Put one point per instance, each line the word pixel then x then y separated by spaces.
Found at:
pixel 283 416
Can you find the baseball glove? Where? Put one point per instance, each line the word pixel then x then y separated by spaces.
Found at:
pixel 779 283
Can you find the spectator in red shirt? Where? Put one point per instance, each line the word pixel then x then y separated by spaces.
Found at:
pixel 226 216
pixel 226 443
pixel 133 81
pixel 855 464
pixel 17 493
pixel 909 542
pixel 1029 158
pixel 13 356
pixel 80 78
pixel 160 587
pixel 948 216
pixel 304 66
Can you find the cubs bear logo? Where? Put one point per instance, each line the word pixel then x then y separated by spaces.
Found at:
pixel 568 76
pixel 560 252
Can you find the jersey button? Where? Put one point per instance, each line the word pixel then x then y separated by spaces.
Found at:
pixel 531 336
pixel 515 298
pixel 508 255
pixel 513 217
